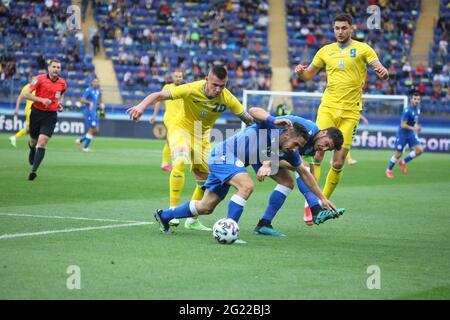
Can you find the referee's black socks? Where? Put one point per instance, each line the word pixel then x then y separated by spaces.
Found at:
pixel 31 154
pixel 40 153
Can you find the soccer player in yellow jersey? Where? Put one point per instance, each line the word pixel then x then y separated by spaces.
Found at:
pixel 189 134
pixel 172 108
pixel 24 131
pixel 345 61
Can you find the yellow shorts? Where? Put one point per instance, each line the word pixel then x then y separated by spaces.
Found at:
pixel 196 151
pixel 345 120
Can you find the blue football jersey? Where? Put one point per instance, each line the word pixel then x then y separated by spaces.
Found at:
pixel 248 147
pixel 411 116
pixel 92 95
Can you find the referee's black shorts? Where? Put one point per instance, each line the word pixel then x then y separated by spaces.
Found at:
pixel 42 122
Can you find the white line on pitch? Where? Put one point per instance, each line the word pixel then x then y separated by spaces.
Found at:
pixel 42 233
pixel 62 217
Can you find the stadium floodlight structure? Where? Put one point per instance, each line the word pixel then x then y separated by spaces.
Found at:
pixel 306 104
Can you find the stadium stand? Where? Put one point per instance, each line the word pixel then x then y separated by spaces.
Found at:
pixel 149 39
pixel 31 32
pixel 309 28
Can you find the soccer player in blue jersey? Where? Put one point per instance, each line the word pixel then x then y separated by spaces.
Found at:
pixel 268 145
pixel 407 135
pixel 319 140
pixel 91 100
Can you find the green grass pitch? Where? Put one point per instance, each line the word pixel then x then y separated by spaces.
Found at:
pixel 402 226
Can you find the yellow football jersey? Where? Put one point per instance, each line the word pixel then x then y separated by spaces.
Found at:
pixel 29 102
pixel 346 73
pixel 172 107
pixel 198 107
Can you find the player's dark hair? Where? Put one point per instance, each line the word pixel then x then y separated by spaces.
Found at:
pixel 53 60
pixel 219 72
pixel 344 17
pixel 300 131
pixel 336 135
pixel 415 94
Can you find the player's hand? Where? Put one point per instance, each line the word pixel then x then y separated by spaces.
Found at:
pixel 60 107
pixel 264 171
pixel 46 102
pixel 16 112
pixel 135 113
pixel 152 119
pixel 381 72
pixel 102 106
pixel 366 122
pixel 417 128
pixel 299 69
pixel 283 123
pixel 327 203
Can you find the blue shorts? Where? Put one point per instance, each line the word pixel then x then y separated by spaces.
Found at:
pixel 220 172
pixel 91 122
pixel 410 139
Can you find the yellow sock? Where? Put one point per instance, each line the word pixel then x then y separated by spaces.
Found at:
pixel 198 193
pixel 333 178
pixel 317 171
pixel 165 155
pixel 21 133
pixel 176 181
pixel 348 156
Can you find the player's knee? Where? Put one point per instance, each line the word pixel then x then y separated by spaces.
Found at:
pixel 246 190
pixel 419 150
pixel 205 207
pixel 179 164
pixel 338 164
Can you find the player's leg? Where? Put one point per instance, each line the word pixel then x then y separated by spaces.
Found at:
pixel 191 208
pixel 414 142
pixel 245 186
pixel 199 159
pixel 348 126
pixel 326 118
pixel 200 178
pixel 400 143
pixel 284 186
pixel 92 125
pixel 166 159
pixel 350 160
pixel 180 145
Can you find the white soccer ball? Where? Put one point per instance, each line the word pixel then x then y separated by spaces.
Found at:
pixel 226 231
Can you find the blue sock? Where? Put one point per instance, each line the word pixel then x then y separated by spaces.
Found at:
pixel 87 140
pixel 392 163
pixel 411 156
pixel 236 207
pixel 83 138
pixel 276 201
pixel 310 197
pixel 182 211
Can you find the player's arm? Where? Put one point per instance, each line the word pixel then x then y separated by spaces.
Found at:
pixel 137 111
pixel 18 101
pixel 261 115
pixel 306 73
pixel 155 112
pixel 61 103
pixel 311 183
pixel 246 118
pixel 363 118
pixel 380 70
pixel 404 125
pixel 30 96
